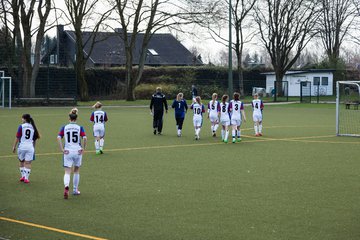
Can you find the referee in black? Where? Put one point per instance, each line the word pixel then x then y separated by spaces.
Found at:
pixel 157 105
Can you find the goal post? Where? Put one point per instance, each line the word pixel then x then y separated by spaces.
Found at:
pixel 347 108
pixel 5 90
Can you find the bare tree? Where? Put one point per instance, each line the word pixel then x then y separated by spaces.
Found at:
pixel 147 18
pixel 285 28
pixel 334 24
pixel 28 21
pixel 81 15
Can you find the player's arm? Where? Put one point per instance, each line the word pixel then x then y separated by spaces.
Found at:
pixel 59 137
pixel 165 104
pixel 151 105
pixel 83 135
pixel 18 136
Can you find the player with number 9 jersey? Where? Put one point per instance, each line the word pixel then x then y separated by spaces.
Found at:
pixel 26 136
pixel 99 117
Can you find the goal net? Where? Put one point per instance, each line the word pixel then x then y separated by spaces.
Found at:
pixel 347 108
pixel 5 90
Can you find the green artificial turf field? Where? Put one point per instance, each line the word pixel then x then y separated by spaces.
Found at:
pixel 298 181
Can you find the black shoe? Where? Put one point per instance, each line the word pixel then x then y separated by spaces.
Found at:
pixel 159 133
pixel 154 131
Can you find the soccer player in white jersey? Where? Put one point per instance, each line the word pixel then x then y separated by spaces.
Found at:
pixel 225 118
pixel 26 136
pixel 198 109
pixel 257 106
pixel 99 117
pixel 73 151
pixel 213 113
pixel 237 116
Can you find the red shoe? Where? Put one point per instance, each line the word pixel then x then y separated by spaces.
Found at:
pixel 26 181
pixel 66 192
pixel 260 134
pixel 257 135
pixel 22 179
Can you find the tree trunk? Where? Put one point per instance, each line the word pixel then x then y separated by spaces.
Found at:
pixel 80 69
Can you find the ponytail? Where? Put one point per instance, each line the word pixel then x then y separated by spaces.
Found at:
pixel 73 114
pixel 224 98
pixel 36 131
pixel 214 96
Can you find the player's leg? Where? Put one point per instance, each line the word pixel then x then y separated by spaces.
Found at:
pixel 22 170
pixel 180 126
pixel 76 176
pixel 101 139
pixel 67 163
pixel 226 132
pixel 29 156
pixel 233 131
pixel 239 133
pixel 160 122
pixel 260 128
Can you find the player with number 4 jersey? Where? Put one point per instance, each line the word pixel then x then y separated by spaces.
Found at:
pixel 99 117
pixel 257 106
pixel 73 151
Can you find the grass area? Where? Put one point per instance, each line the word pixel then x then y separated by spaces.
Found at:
pixel 298 181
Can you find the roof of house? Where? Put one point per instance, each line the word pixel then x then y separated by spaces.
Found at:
pixel 294 72
pixel 163 49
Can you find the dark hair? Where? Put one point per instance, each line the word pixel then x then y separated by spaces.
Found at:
pixel 224 98
pixel 30 120
pixel 236 96
pixel 73 114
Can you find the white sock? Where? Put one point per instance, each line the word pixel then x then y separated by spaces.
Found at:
pixel 76 180
pixel 222 134
pixel 22 171
pixel 216 127
pixel 256 129
pixel 233 132
pixel 238 133
pixel 102 143
pixel 212 128
pixel 198 131
pixel 97 145
pixel 226 134
pixel 260 128
pixel 27 172
pixel 66 180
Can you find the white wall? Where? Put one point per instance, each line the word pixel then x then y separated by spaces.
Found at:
pixel 295 79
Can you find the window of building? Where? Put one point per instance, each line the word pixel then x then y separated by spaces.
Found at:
pixel 316 81
pixel 153 52
pixel 324 81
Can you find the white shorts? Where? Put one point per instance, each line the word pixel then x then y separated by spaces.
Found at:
pixel 99 130
pixel 257 117
pixel 72 159
pixel 225 122
pixel 197 122
pixel 214 118
pixel 236 122
pixel 26 154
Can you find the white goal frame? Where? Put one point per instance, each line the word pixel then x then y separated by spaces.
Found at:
pixel 2 93
pixel 354 83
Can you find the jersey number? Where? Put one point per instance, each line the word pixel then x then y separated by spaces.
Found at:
pixel 224 108
pixel 256 105
pixel 236 107
pixel 72 137
pixel 27 134
pixel 213 107
pixel 99 118
pixel 197 110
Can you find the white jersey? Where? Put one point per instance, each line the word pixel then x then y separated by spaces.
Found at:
pixel 25 134
pixel 99 117
pixel 236 108
pixel 224 109
pixel 213 108
pixel 198 110
pixel 73 134
pixel 257 106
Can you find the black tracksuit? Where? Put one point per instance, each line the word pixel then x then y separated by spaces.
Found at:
pixel 158 102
